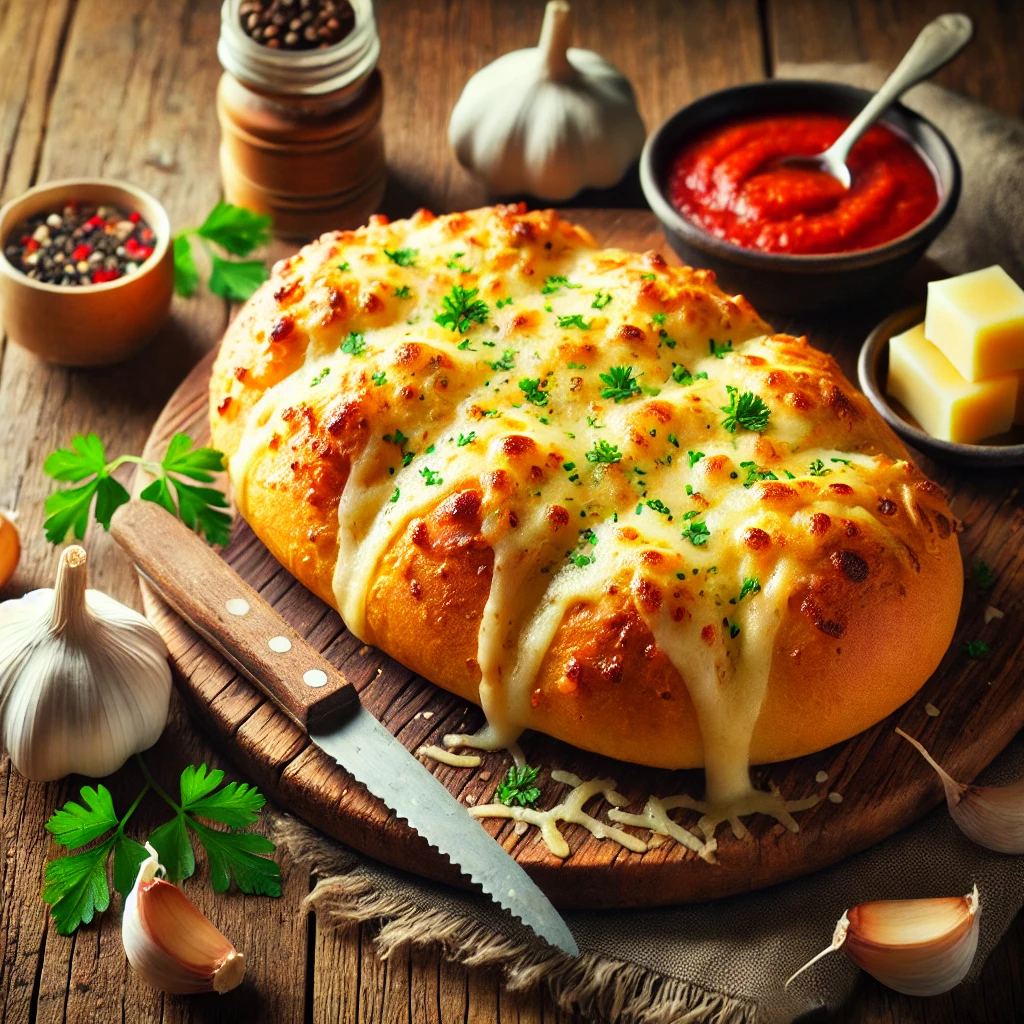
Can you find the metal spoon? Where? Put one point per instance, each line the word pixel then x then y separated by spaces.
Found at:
pixel 937 44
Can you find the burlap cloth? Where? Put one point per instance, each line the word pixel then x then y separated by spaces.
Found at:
pixel 725 962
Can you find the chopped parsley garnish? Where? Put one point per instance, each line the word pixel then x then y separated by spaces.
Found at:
pixel 396 438
pixel 344 266
pixel 502 303
pixel 556 281
pixel 601 299
pixel 394 497
pixel 354 344
pixel 576 320
pixel 672 439
pixel 719 351
pixel 578 557
pixel 464 345
pixel 506 362
pixel 320 376
pixel 518 787
pixel 659 318
pixel 659 506
pixel 734 629
pixel 620 383
pixel 604 452
pixel 681 375
pixel 978 649
pixel 465 439
pixel 647 277
pixel 983 575
pixel 751 585
pixel 403 257
pixel 845 462
pixel 817 468
pixel 577 366
pixel 407 458
pixel 460 308
pixel 453 263
pixel 745 410
pixel 379 378
pixel 532 391
pixel 403 292
pixel 695 457
pixel 431 478
pixel 696 532
pixel 430 450
pixel 754 474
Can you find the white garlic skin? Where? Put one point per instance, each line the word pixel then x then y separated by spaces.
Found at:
pixel 84 680
pixel 547 120
pixel 170 944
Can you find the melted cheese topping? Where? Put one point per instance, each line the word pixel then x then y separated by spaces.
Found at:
pixel 613 414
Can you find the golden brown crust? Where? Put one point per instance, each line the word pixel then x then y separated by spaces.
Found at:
pixel 867 620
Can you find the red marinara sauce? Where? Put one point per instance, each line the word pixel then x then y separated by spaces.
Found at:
pixel 730 181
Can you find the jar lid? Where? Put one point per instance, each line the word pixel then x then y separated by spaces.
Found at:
pixel 299 72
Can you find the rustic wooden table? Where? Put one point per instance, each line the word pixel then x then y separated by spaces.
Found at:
pixel 125 89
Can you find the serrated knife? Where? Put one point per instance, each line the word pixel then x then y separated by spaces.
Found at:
pixel 208 594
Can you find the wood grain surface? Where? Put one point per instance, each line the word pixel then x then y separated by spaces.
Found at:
pixel 126 89
pixel 883 784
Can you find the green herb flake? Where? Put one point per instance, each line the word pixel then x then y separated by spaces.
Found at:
pixel 745 410
pixel 402 257
pixel 601 299
pixel 430 477
pixel 656 505
pixel 576 320
pixel 502 303
pixel 403 292
pixel 532 391
pixel 461 309
pixel 320 376
pixel 984 576
pixel 380 378
pixel 978 649
pixel 506 362
pixel 695 457
pixel 453 263
pixel 395 496
pixel 519 787
pixel 465 439
pixel 697 533
pixel 817 468
pixel 604 452
pixel 344 267
pixel 556 281
pixel 354 344
pixel 620 384
pixel 751 585
pixel 719 351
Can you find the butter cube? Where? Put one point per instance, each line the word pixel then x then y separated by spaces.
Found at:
pixel 977 321
pixel 937 396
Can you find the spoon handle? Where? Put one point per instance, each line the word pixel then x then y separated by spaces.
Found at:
pixel 937 44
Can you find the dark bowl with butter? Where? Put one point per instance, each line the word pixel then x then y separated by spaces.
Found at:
pixel 784 263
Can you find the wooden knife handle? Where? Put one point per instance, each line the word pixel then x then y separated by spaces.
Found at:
pixel 205 591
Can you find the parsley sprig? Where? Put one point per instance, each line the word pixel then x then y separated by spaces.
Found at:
pixel 402 257
pixel 620 383
pixel 461 308
pixel 197 507
pixel 533 391
pixel 234 229
pixel 75 884
pixel 745 410
pixel 519 787
pixel 604 452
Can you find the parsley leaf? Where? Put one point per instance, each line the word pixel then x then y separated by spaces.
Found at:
pixel 656 505
pixel 817 468
pixel 506 362
pixel 235 228
pixel 403 257
pixel 697 533
pixel 681 375
pixel 746 410
pixel 403 292
pixel 532 391
pixel 380 378
pixel 984 576
pixel 604 452
pixel 556 281
pixel 453 263
pixel 694 457
pixel 319 377
pixel 394 497
pixel 751 585
pixel 620 383
pixel 431 477
pixel 236 280
pixel 601 299
pixel 754 474
pixel 460 308
pixel 518 787
pixel 719 351
pixel 186 273
pixel 733 627
pixel 502 303
pixel 576 320
pixel 978 649
pixel 68 509
pixel 465 439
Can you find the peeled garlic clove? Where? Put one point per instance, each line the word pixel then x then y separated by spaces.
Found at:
pixel 917 947
pixel 84 680
pixel 170 944
pixel 991 816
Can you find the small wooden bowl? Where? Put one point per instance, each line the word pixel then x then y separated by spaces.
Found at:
pixel 95 324
pixel 872 371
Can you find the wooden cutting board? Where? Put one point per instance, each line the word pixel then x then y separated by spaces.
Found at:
pixel 876 783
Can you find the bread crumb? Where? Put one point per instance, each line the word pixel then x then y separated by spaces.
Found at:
pixel 836 798
pixel 520 827
pixel 992 613
pixel 484 776
pixel 931 710
pixel 470 799
pixel 821 777
pixel 427 714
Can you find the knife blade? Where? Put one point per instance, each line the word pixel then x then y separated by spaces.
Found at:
pixel 208 594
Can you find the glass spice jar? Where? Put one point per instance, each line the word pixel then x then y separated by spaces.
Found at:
pixel 300 129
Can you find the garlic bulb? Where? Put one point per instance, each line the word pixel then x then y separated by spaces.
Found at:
pixel 84 680
pixel 170 944
pixel 547 120
pixel 917 947
pixel 10 547
pixel 991 816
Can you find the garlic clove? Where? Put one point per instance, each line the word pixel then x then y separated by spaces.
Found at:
pixel 84 680
pixel 991 816
pixel 170 944
pixel 917 947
